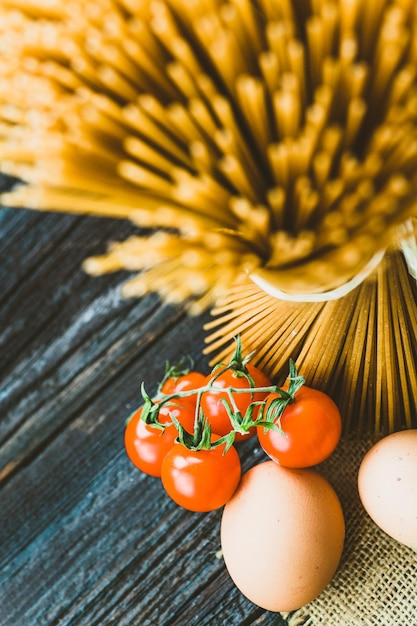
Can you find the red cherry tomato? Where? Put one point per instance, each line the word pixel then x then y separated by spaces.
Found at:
pixel 311 426
pixel 147 445
pixel 200 480
pixel 184 382
pixel 212 401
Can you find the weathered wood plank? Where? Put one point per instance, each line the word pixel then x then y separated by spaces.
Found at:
pixel 125 552
pixel 49 282
pixel 85 539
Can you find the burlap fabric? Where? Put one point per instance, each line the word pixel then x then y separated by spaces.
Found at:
pixel 376 583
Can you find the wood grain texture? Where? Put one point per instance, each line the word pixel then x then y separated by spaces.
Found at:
pixel 85 539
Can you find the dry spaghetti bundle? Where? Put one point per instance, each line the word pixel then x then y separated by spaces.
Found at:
pixel 269 145
pixel 361 349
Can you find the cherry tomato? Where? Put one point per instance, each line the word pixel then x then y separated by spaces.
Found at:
pixel 201 480
pixel 147 445
pixel 184 382
pixel 212 401
pixel 311 426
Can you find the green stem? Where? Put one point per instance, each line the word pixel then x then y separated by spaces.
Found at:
pixel 166 398
pixel 276 408
pixel 201 437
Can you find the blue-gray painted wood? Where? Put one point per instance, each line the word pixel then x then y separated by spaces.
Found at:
pixel 85 539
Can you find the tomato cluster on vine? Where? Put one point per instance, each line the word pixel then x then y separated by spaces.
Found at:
pixel 186 434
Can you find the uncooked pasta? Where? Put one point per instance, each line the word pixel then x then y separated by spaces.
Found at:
pixel 273 147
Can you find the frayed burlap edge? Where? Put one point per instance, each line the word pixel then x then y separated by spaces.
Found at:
pixel 376 582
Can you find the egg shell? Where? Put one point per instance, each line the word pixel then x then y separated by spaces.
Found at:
pixel 282 536
pixel 387 483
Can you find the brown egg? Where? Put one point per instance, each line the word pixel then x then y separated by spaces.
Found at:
pixel 282 536
pixel 387 483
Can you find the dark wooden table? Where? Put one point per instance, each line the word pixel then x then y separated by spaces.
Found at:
pixel 85 539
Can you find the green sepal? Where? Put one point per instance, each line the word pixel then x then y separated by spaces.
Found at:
pixel 200 439
pixel 228 439
pixel 176 370
pixel 277 406
pixel 296 380
pixel 150 411
pixel 242 424
pixel 237 363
